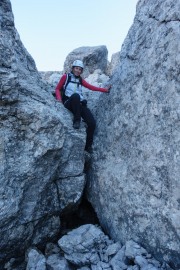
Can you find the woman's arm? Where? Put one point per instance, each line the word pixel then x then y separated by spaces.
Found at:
pixel 95 88
pixel 59 87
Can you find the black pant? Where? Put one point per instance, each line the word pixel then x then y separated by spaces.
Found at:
pixel 80 110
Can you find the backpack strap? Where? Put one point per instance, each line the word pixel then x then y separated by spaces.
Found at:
pixel 80 80
pixel 68 79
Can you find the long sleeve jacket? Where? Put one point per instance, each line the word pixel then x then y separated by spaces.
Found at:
pixel 84 83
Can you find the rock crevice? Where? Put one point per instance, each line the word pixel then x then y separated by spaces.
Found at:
pixel 133 181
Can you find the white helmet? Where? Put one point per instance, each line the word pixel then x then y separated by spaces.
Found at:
pixel 78 63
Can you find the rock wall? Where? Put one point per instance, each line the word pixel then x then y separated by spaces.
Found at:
pixel 134 181
pixel 41 155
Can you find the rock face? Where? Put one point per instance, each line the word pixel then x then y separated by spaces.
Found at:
pixel 52 78
pixel 134 182
pixel 41 156
pixel 92 57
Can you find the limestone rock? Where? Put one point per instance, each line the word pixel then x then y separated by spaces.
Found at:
pixel 82 244
pixel 52 78
pixel 118 261
pixel 36 260
pixel 87 247
pixel 133 250
pixel 134 182
pixel 57 262
pixel 38 149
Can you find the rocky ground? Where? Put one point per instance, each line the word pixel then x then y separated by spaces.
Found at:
pixel 88 248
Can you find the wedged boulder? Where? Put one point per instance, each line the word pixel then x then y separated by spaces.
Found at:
pixel 134 182
pixel 92 57
pixel 39 149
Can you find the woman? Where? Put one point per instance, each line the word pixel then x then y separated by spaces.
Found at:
pixel 69 91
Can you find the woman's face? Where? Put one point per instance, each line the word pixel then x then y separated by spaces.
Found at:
pixel 77 71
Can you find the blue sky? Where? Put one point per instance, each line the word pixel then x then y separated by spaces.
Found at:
pixel 51 29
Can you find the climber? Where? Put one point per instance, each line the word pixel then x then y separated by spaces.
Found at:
pixel 69 92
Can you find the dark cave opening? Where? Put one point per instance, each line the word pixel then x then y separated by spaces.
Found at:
pixel 83 214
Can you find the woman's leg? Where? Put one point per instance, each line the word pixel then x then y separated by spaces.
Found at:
pixel 73 104
pixel 91 125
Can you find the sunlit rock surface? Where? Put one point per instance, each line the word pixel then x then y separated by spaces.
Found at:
pixel 40 152
pixel 134 182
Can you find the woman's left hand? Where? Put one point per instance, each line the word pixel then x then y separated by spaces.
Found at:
pixel 108 88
